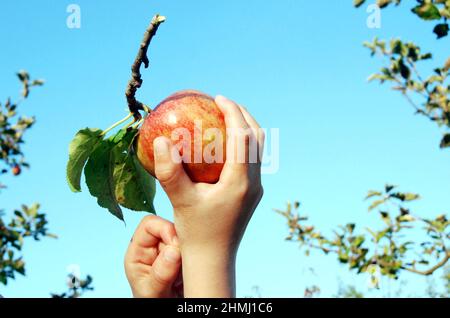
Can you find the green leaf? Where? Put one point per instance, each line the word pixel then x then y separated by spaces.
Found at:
pixel 343 257
pixel 350 227
pixel 358 3
pixel 441 30
pixel 404 70
pixel 23 76
pixel 376 203
pixel 134 187
pixel 405 196
pixel 405 218
pixel 427 11
pixel 80 148
pixel 372 194
pixel 99 176
pixel 445 143
pixel 358 241
pixel 380 235
pixel 386 217
pixel 389 187
pixel 411 196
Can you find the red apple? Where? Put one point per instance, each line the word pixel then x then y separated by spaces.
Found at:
pixel 16 170
pixel 194 123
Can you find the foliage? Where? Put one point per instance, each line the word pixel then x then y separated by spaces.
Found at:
pixel 12 129
pixel 429 95
pixel 391 249
pixel 348 292
pixel 311 292
pixel 396 246
pixel 428 10
pixel 433 292
pixel 112 172
pixel 76 287
pixel 433 91
pixel 27 222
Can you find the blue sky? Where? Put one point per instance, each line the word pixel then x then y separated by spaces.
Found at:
pixel 297 65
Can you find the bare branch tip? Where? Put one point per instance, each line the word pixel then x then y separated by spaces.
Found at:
pixel 160 18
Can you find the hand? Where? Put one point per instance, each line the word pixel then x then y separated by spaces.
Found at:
pixel 153 260
pixel 211 219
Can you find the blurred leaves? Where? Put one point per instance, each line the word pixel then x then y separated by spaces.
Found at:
pixel 76 287
pixel 12 129
pixel 392 248
pixel 24 77
pixel 427 10
pixel 429 96
pixel 28 222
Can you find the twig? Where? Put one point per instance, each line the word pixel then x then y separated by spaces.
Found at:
pixel 136 81
pixel 431 270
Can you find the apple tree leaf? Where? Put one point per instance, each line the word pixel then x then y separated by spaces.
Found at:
pixel 134 187
pixel 445 143
pixel 441 30
pixel 80 148
pixel 376 203
pixel 427 11
pixel 99 175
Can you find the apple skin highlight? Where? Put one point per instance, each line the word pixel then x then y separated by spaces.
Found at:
pixel 184 111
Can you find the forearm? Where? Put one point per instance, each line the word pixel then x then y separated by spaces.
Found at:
pixel 209 273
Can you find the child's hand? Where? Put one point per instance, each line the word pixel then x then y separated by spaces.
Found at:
pixel 153 260
pixel 211 219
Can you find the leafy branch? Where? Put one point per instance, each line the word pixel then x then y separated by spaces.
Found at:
pixel 428 10
pixel 386 249
pixel 28 222
pixel 76 287
pixel 112 172
pixel 403 72
pixel 13 127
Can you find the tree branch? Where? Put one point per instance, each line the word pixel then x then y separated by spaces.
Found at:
pixel 431 270
pixel 136 81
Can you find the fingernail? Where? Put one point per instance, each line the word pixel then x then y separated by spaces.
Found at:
pixel 172 254
pixel 160 146
pixel 221 99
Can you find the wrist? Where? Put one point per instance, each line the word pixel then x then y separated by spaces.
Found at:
pixel 208 271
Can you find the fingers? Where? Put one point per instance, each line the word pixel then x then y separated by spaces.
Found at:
pixel 165 269
pixel 257 131
pixel 232 113
pixel 152 230
pixel 153 259
pixel 152 234
pixel 240 140
pixel 169 170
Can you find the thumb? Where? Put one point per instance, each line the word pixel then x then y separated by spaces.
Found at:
pixel 169 169
pixel 165 269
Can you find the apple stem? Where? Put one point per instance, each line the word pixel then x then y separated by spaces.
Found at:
pixel 146 108
pixel 138 123
pixel 120 122
pixel 136 81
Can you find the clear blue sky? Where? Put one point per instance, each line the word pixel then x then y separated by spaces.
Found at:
pixel 297 65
